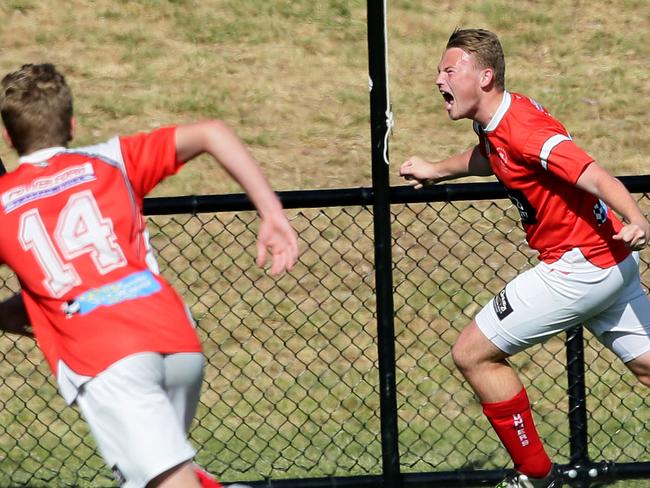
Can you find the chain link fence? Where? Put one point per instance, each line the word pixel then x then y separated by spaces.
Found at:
pixel 291 380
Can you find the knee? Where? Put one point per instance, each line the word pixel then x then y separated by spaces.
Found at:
pixel 643 376
pixel 461 354
pixel 644 379
pixel 641 368
pixel 473 351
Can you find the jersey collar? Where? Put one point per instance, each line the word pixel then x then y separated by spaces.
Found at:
pixel 41 155
pixel 500 113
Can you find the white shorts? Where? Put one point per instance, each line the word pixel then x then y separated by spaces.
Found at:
pixel 551 298
pixel 139 411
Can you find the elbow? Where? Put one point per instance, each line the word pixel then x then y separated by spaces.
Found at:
pixel 209 128
pixel 216 126
pixel 216 130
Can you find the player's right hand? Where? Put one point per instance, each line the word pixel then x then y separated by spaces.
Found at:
pixel 278 238
pixel 417 172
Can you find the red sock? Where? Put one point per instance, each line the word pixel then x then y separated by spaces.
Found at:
pixel 206 480
pixel 513 422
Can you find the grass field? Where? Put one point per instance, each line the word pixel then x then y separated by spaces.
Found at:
pixel 291 76
pixel 291 387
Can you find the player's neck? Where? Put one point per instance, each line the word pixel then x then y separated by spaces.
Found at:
pixel 488 107
pixel 38 147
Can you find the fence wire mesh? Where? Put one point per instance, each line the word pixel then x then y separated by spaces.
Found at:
pixel 291 381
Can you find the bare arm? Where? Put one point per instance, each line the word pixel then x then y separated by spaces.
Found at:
pixel 13 316
pixel 419 172
pixel 597 181
pixel 218 140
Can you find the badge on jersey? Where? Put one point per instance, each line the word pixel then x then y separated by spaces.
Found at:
pixel 600 212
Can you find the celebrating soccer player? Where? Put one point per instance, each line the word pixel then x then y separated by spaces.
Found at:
pixel 589 266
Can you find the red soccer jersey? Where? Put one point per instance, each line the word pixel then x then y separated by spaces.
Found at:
pixel 533 155
pixel 73 232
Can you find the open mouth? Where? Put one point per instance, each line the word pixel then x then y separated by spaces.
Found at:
pixel 449 98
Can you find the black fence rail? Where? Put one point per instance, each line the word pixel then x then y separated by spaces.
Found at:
pixel 293 385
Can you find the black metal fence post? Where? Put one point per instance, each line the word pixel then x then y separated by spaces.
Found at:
pixel 579 437
pixel 379 111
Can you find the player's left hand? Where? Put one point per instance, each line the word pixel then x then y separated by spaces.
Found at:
pixel 277 237
pixel 635 236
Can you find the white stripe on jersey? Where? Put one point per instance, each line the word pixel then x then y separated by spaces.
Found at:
pixel 500 113
pixel 549 145
pixel 111 152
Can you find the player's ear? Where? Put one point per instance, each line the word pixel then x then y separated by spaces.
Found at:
pixel 487 77
pixel 73 127
pixel 7 137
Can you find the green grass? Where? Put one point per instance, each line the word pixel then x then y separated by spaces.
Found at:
pixel 291 387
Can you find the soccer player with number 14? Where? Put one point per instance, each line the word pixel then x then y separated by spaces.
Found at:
pixel 119 339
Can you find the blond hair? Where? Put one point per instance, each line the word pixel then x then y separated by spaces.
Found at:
pixel 36 108
pixel 485 47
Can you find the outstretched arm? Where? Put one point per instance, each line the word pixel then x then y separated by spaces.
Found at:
pixel 419 172
pixel 13 316
pixel 216 138
pixel 597 181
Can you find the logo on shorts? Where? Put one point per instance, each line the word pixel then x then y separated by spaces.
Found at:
pixel 117 474
pixel 502 305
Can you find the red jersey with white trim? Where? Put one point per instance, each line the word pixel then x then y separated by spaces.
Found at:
pixel 533 155
pixel 74 234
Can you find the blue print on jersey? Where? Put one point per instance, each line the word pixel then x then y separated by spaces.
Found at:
pixel 47 186
pixel 136 285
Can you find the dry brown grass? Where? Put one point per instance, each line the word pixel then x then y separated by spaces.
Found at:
pixel 291 77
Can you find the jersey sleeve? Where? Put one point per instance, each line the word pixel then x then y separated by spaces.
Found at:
pixel 149 158
pixel 556 152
